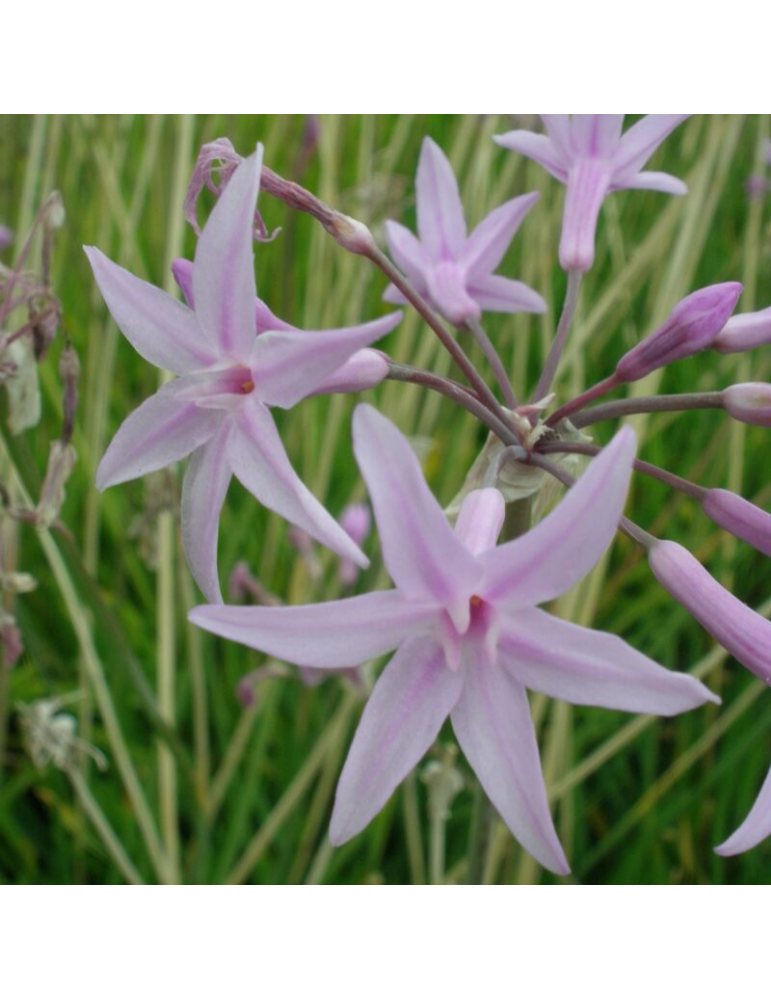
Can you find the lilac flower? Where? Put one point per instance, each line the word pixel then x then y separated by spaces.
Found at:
pixel 591 157
pixel 756 827
pixel 692 326
pixel 356 519
pixel 219 409
pixel 749 402
pixel 470 639
pixel 450 269
pixel 744 332
pixel 740 517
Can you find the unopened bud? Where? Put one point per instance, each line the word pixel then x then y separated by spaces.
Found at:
pixel 356 521
pixel 737 628
pixel 363 370
pixel 691 327
pixel 743 333
pixel 749 402
pixel 740 517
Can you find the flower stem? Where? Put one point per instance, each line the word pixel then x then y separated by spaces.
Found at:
pixel 600 389
pixel 649 404
pixel 560 337
pixel 457 393
pixel 103 828
pixel 495 362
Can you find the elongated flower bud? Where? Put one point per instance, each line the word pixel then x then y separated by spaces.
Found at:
pixel 691 327
pixel 363 370
pixel 743 333
pixel 740 517
pixel 749 402
pixel 735 626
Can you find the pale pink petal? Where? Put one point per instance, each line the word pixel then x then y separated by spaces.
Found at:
pixel 424 556
pixel 165 332
pixel 486 246
pixel 182 269
pixel 326 636
pixel 363 370
pixel 585 667
pixel 441 223
pixel 495 731
pixel 223 275
pixel 596 135
pixel 266 319
pixel 161 431
pixel 740 517
pixel 560 130
pixel 755 828
pixel 495 293
pixel 540 148
pixel 651 180
pixel 587 186
pixel 407 251
pixel 480 520
pixel 290 365
pixel 395 297
pixel 561 549
pixel 640 142
pixel 412 698
pixel 204 487
pixel 259 461
pixel 446 285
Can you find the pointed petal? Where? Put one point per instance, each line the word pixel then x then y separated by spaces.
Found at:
pixel 585 667
pixel 495 731
pixel 259 461
pixel 561 550
pixel 596 135
pixel 651 180
pixel 290 365
pixel 223 275
pixel 182 269
pixel 640 142
pixel 266 319
pixel 441 223
pixel 540 148
pixel 422 553
pixel 408 253
pixel 447 291
pixel 587 186
pixel 491 239
pixel 363 370
pixel 161 431
pixel 324 636
pixel 162 330
pixel 755 828
pixel 480 519
pixel 560 130
pixel 404 714
pixel 498 294
pixel 395 297
pixel 204 487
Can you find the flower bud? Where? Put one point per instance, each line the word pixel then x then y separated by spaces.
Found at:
pixel 6 237
pixel 743 333
pixel 363 370
pixel 749 402
pixel 735 626
pixel 356 520
pixel 740 517
pixel 691 327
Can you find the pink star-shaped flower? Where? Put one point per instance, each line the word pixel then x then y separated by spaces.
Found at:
pixel 230 375
pixel 469 636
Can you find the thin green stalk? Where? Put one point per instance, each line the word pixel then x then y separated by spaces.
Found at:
pixel 108 837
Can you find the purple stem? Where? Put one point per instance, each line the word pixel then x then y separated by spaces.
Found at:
pixel 560 337
pixel 649 404
pixel 600 389
pixel 494 360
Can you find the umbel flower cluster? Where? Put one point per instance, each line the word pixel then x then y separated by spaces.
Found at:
pixel 464 620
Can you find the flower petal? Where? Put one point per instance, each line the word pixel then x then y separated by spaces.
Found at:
pixel 204 487
pixel 559 128
pixel 596 135
pixel 402 719
pixel 395 297
pixel 182 269
pixel 165 332
pixel 223 275
pixel 161 431
pixel 651 180
pixel 491 239
pixel 585 667
pixel 290 365
pixel 266 319
pixel 259 461
pixel 587 185
pixel 495 731
pixel 755 828
pixel 540 148
pixel 363 370
pixel 325 636
pixel 640 142
pixel 480 519
pixel 408 252
pixel 561 550
pixel 441 223
pixel 422 553
pixel 495 293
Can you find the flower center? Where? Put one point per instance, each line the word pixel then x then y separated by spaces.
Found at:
pixel 247 387
pixel 475 601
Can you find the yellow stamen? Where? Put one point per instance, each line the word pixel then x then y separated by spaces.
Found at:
pixel 475 601
pixel 247 387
